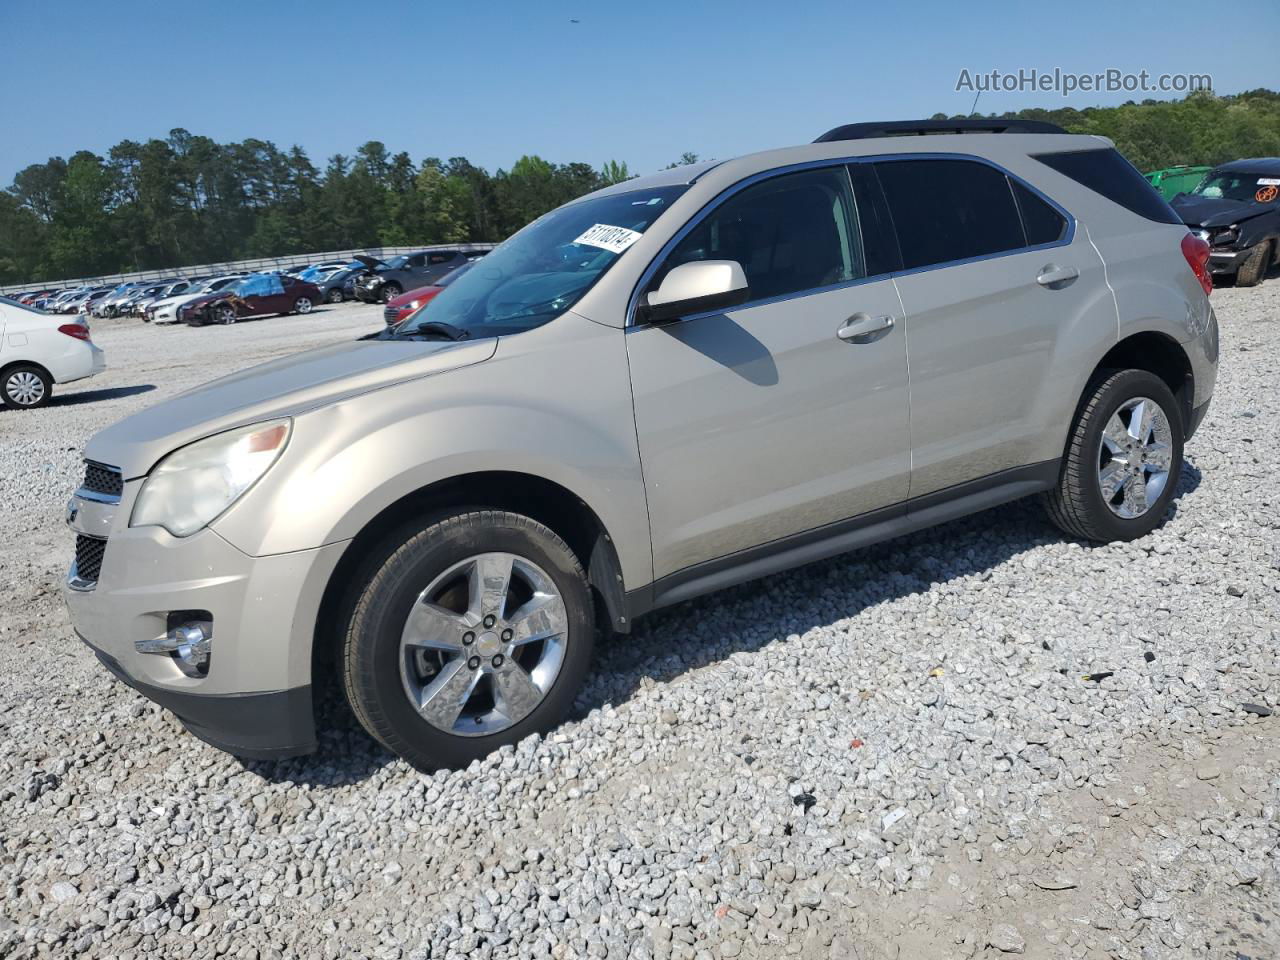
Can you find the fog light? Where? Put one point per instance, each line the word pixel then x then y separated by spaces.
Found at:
pixel 189 644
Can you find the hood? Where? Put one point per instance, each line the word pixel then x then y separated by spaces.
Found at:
pixel 1198 211
pixel 279 388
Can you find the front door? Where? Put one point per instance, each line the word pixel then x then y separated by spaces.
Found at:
pixel 762 422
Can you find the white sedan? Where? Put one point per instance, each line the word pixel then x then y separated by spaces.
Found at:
pixel 166 311
pixel 39 349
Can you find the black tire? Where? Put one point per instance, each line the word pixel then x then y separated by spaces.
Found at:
pixel 25 387
pixel 334 296
pixel 302 305
pixel 388 585
pixel 389 291
pixel 1076 504
pixel 1255 266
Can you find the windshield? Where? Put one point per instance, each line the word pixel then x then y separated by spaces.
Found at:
pixel 541 272
pixel 1229 185
pixel 395 263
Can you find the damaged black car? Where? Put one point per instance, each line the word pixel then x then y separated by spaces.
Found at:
pixel 1236 209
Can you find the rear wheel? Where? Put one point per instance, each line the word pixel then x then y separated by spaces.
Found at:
pixel 1255 266
pixel 302 305
pixel 25 387
pixel 1124 458
pixel 471 631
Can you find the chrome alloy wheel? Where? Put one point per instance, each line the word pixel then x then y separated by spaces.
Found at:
pixel 24 388
pixel 483 644
pixel 1134 457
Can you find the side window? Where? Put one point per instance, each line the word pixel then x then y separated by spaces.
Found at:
pixel 443 256
pixel 1042 223
pixel 259 286
pixel 947 210
pixel 417 260
pixel 795 232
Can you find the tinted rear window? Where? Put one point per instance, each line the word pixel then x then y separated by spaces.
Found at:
pixel 1108 173
pixel 1042 223
pixel 946 210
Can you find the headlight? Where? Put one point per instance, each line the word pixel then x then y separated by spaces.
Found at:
pixel 411 305
pixel 192 486
pixel 1223 237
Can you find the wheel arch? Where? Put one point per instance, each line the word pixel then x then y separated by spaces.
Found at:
pixel 10 364
pixel 1156 353
pixel 546 501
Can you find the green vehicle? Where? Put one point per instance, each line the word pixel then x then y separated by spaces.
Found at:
pixel 1172 181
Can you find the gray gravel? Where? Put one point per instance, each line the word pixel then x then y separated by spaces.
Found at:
pixel 892 754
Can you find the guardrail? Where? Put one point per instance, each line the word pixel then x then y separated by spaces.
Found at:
pixel 231 266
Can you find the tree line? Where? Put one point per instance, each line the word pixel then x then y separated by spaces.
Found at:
pixel 187 200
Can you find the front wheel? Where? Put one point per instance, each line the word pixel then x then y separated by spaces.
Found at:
pixel 334 296
pixel 388 292
pixel 1123 460
pixel 1255 265
pixel 471 631
pixel 226 314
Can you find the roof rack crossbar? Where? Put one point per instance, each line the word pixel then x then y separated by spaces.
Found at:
pixel 920 128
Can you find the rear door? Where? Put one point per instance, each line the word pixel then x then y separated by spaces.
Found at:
pixel 760 423
pixel 1005 301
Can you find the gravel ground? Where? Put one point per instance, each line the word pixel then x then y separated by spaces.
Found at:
pixel 980 740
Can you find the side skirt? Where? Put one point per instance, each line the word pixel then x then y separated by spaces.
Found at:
pixel 833 539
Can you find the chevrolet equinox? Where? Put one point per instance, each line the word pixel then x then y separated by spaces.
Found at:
pixel 674 384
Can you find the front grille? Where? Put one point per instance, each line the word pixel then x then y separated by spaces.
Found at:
pixel 89 551
pixel 390 315
pixel 99 478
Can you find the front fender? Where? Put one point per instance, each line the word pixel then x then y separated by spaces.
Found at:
pixel 554 402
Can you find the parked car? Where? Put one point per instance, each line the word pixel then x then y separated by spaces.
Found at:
pixel 398 308
pixel 439 512
pixel 38 350
pixel 253 296
pixel 109 305
pixel 386 281
pixel 153 295
pixel 166 311
pixel 128 306
pixel 333 283
pixel 84 303
pixel 1236 210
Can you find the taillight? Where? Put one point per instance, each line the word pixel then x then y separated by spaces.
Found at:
pixel 1197 253
pixel 77 330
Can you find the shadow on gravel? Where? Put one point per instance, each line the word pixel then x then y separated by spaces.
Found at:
pixel 745 618
pixel 95 396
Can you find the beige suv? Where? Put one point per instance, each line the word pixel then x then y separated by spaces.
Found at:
pixel 678 383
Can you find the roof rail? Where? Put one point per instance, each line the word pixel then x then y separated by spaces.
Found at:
pixel 920 128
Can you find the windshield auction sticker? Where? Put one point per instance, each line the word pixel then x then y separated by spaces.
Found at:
pixel 1269 181
pixel 606 237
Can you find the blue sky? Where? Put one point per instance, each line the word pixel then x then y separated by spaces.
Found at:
pixel 640 82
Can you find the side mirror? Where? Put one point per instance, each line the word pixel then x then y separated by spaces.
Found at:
pixel 697 287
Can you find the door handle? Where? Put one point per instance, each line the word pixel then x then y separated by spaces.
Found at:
pixel 1051 273
pixel 861 328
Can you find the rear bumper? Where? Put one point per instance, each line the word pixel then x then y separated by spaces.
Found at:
pixel 257 726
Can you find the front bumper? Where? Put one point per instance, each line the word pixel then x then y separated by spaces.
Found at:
pixel 255 699
pixel 257 726
pixel 1225 262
